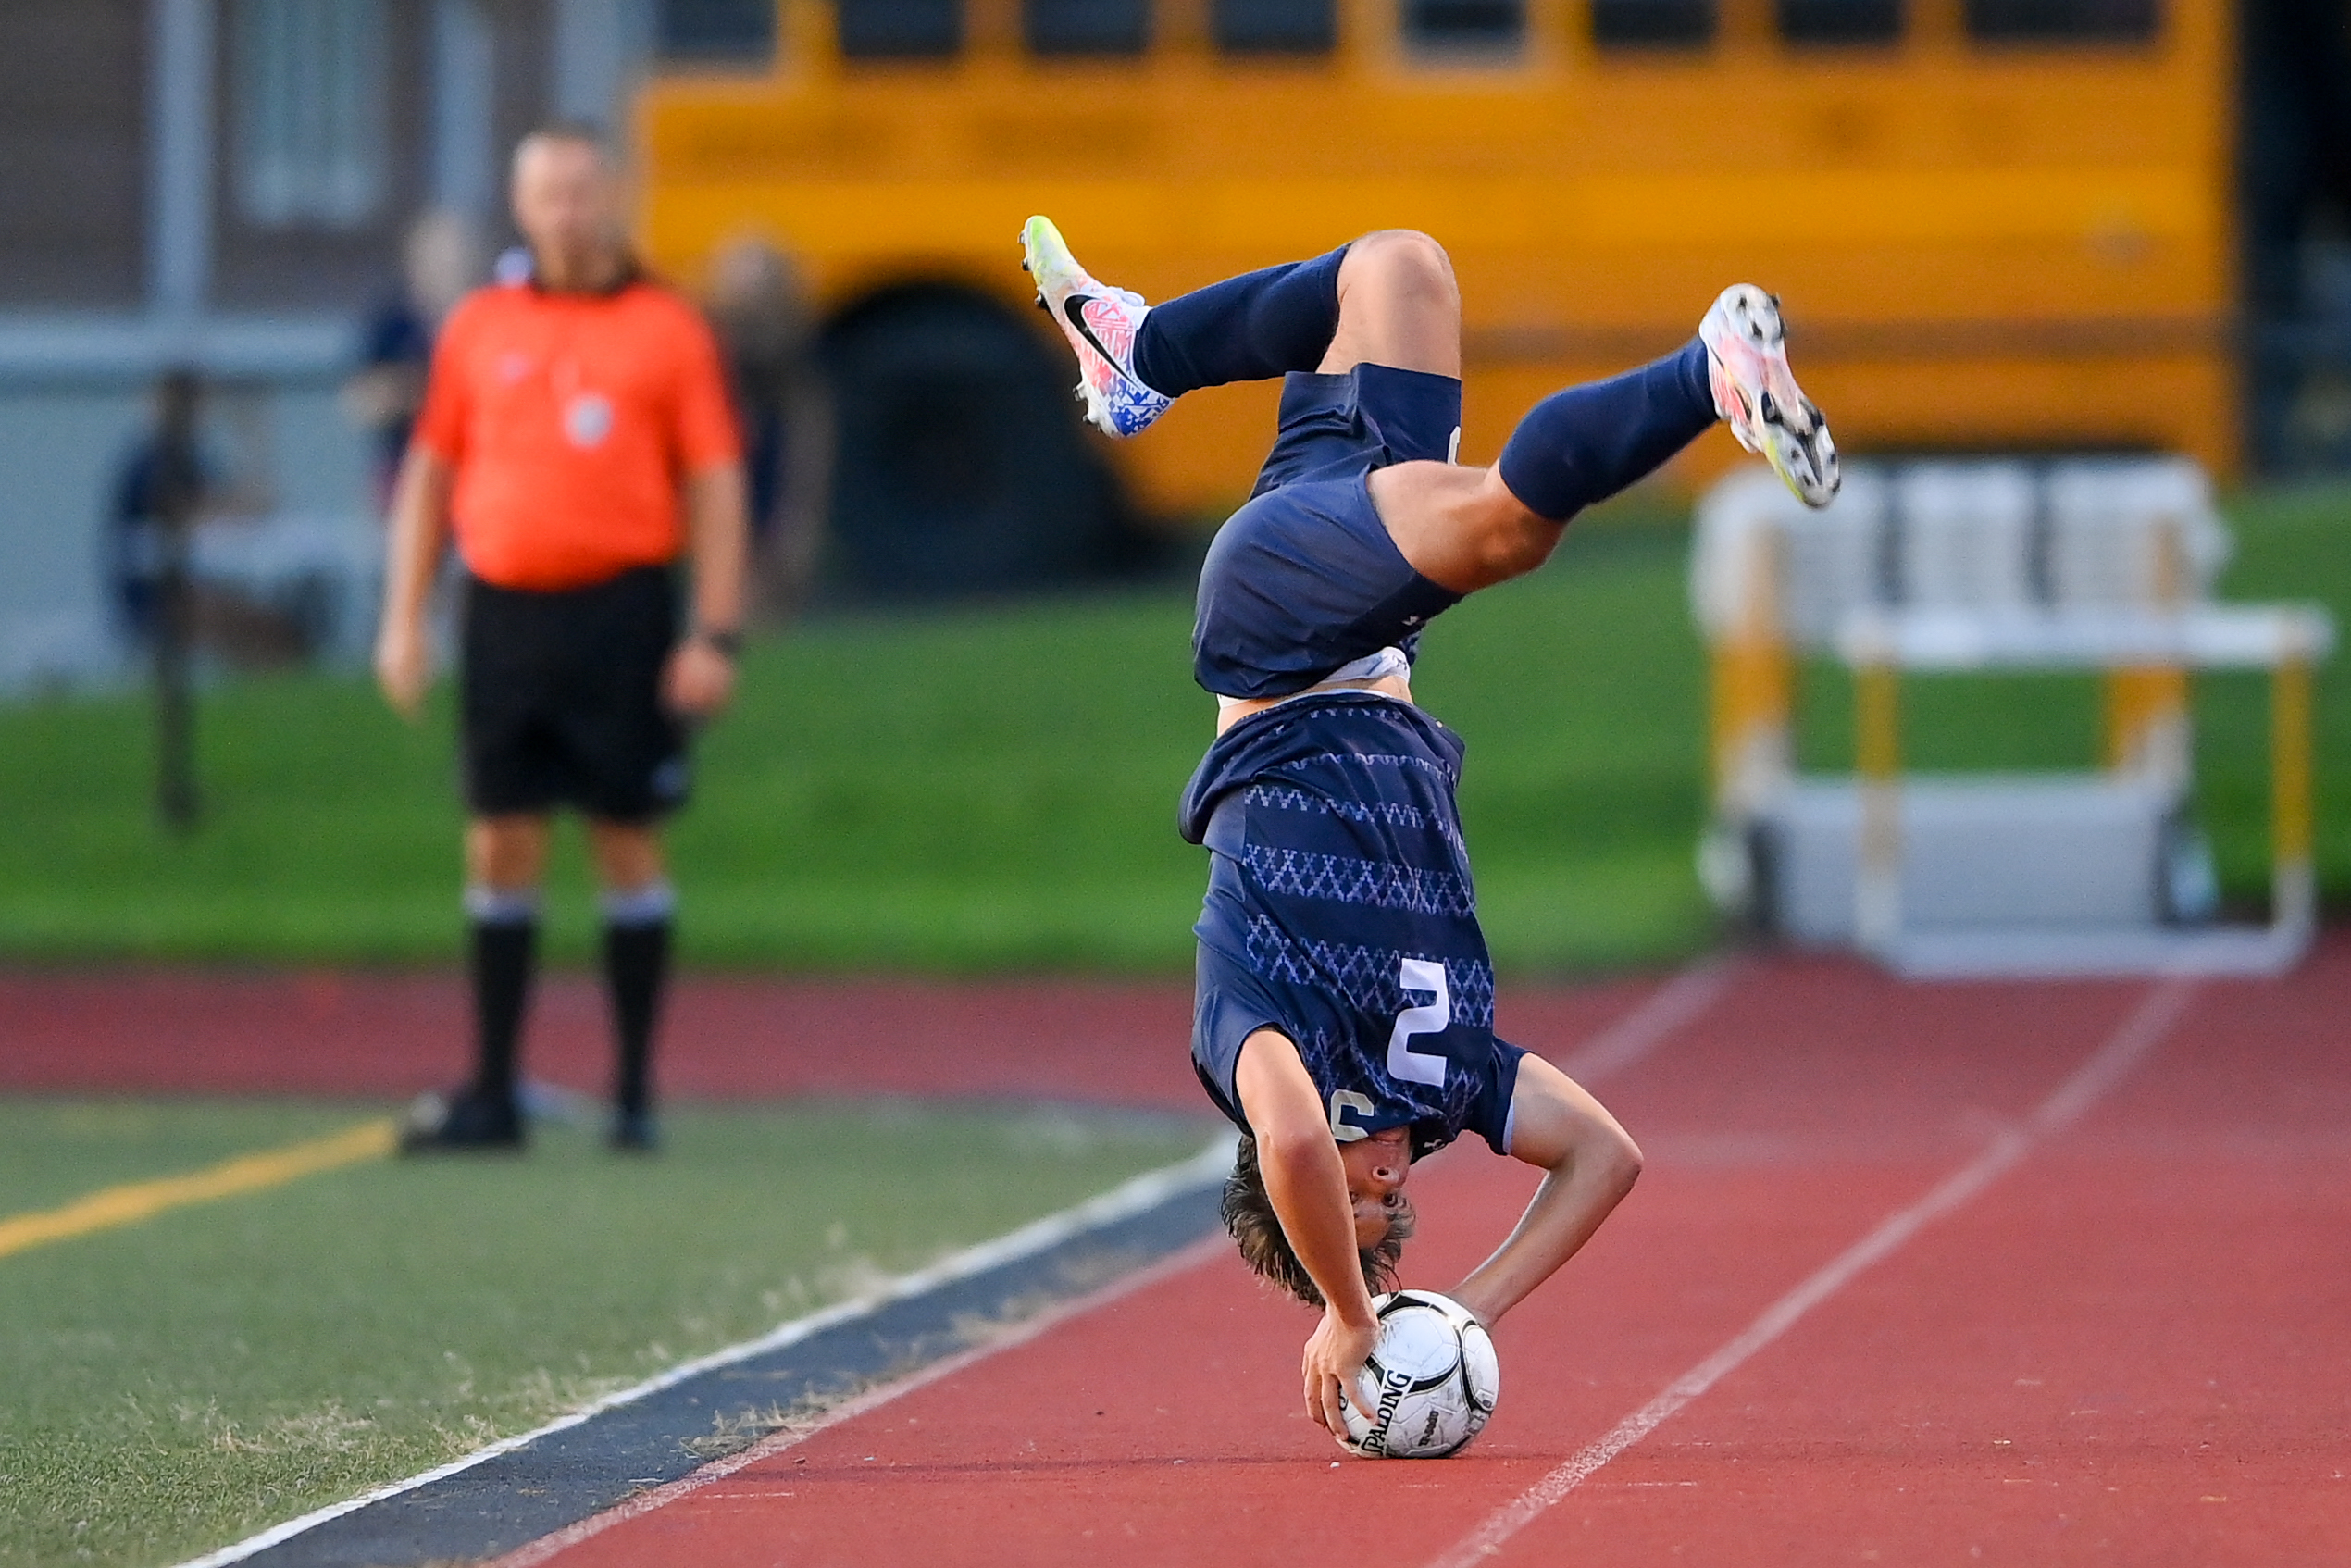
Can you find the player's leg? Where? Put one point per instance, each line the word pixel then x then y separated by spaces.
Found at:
pixel 639 907
pixel 1470 529
pixel 1388 298
pixel 1135 359
pixel 1398 306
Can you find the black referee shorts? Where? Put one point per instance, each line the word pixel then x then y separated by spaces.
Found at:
pixel 561 699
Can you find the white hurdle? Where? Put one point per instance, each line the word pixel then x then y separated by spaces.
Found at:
pixel 2103 564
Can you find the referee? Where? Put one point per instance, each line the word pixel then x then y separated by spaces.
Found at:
pixel 576 439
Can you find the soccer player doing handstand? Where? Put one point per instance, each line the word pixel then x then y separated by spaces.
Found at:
pixel 1345 1004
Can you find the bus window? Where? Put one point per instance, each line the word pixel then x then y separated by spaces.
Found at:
pixel 1652 24
pixel 900 30
pixel 2063 22
pixel 1840 21
pixel 730 32
pixel 1485 27
pixel 1276 26
pixel 1086 27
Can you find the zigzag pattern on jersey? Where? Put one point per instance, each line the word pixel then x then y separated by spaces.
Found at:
pixel 1368 759
pixel 1366 977
pixel 1392 814
pixel 1345 879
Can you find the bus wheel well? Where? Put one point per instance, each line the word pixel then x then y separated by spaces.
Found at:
pixel 961 465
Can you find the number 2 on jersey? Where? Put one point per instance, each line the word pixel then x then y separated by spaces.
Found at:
pixel 1428 1018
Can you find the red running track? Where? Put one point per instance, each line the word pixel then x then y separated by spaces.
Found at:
pixel 336 1033
pixel 2127 1348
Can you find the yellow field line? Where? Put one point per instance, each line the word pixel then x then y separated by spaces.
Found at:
pixel 136 1201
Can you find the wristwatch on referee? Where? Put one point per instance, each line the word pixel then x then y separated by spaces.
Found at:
pixel 728 644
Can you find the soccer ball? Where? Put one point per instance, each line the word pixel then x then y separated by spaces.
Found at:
pixel 1432 1380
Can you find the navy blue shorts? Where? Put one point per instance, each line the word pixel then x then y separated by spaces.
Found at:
pixel 1304 577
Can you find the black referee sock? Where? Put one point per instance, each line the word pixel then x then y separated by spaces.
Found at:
pixel 505 945
pixel 1251 328
pixel 1584 444
pixel 637 928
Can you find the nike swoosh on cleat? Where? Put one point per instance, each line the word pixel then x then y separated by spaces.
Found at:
pixel 1074 307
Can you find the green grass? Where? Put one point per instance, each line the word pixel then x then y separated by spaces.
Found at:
pixel 986 789
pixel 995 788
pixel 178 1384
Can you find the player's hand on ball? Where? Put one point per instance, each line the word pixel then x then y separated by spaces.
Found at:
pixel 699 680
pixel 403 667
pixel 1333 1367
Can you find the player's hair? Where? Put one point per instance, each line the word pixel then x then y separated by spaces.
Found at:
pixel 1249 1214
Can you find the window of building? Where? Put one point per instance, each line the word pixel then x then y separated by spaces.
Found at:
pixel 1482 26
pixel 310 113
pixel 1652 24
pixel 717 31
pixel 1086 27
pixel 885 30
pixel 1276 26
pixel 2064 21
pixel 1841 21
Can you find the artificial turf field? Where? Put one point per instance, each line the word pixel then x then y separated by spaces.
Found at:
pixel 180 1382
pixel 995 787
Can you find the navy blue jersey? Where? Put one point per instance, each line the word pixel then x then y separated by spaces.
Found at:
pixel 1340 912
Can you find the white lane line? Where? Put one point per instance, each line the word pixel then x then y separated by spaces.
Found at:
pixel 1659 1013
pixel 2106 1068
pixel 1210 1166
pixel 546 1547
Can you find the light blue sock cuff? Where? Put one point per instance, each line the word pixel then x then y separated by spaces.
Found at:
pixel 650 905
pixel 501 906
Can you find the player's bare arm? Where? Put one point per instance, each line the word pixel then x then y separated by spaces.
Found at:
pixel 1590 1164
pixel 419 526
pixel 1307 1180
pixel 700 676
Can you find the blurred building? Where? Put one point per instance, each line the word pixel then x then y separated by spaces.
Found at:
pixel 224 184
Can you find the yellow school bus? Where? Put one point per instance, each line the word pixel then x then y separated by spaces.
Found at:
pixel 1995 224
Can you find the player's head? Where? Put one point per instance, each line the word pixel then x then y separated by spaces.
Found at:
pixel 568 203
pixel 1377 1167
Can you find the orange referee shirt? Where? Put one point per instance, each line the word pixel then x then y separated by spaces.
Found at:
pixel 570 420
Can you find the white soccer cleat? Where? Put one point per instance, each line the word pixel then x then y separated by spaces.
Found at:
pixel 1100 324
pixel 1756 393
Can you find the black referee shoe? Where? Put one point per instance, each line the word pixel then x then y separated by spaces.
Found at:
pixel 633 1132
pixel 468 1122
